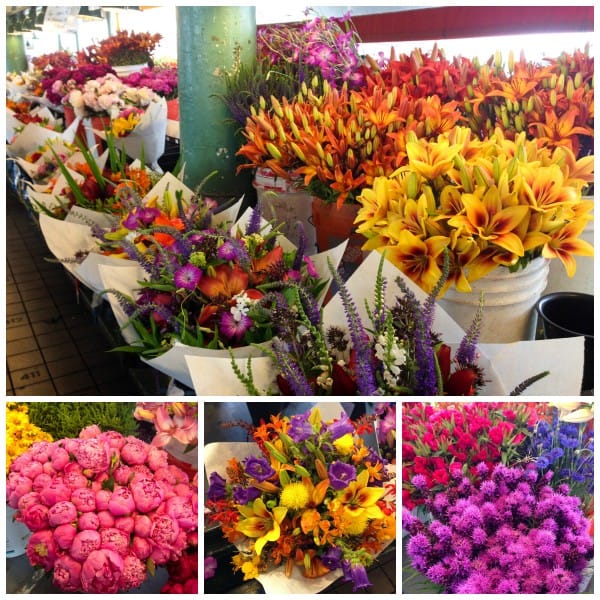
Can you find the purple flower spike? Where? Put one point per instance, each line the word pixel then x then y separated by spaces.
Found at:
pixel 259 468
pixel 187 277
pixel 340 474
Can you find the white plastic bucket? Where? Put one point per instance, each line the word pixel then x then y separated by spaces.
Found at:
pixel 286 205
pixel 17 535
pixel 509 301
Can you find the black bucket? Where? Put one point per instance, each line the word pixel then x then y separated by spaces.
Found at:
pixel 570 314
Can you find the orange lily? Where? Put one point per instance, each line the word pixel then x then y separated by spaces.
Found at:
pixel 565 243
pixel 224 282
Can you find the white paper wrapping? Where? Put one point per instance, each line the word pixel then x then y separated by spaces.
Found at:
pixel 33 136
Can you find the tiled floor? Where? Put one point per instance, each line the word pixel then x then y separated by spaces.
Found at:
pixel 55 344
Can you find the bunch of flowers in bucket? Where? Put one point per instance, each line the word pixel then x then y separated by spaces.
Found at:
pixel 104 509
pixel 317 499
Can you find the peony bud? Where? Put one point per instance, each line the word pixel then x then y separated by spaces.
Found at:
pixel 84 543
pixel 62 512
pixel 121 502
pixel 89 520
pixel 64 535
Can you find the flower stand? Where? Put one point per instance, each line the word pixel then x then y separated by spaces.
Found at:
pixel 509 300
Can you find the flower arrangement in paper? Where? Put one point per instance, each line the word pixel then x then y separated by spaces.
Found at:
pixel 210 287
pixel 123 48
pixel 21 433
pixel 444 438
pixel 489 203
pixel 510 533
pixel 318 499
pixel 104 509
pixel 171 420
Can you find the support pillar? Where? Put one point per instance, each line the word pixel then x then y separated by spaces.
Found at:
pixel 16 59
pixel 211 40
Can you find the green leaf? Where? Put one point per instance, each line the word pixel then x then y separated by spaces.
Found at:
pixel 151 567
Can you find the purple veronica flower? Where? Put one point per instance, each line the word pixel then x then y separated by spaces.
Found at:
pixel 216 487
pixel 340 427
pixel 244 495
pixel 233 329
pixel 258 468
pixel 332 559
pixel 300 429
pixel 187 277
pixel 340 474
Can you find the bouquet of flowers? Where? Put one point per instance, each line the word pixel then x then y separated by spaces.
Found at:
pixel 104 509
pixel 510 533
pixel 316 498
pixel 171 420
pixel 161 79
pixel 123 48
pixel 61 59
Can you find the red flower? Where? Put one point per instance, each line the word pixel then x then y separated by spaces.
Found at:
pixel 440 476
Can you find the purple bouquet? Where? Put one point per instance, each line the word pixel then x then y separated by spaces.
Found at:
pixel 160 79
pixel 510 533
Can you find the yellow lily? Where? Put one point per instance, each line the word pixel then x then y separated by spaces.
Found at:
pixel 431 159
pixel 359 500
pixel 565 242
pixel 260 523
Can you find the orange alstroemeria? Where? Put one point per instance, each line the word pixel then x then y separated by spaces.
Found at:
pixel 260 523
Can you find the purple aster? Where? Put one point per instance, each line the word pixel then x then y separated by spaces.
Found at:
pixel 187 277
pixel 232 328
pixel 216 487
pixel 340 427
pixel 244 495
pixel 259 468
pixel 300 428
pixel 340 474
pixel 332 559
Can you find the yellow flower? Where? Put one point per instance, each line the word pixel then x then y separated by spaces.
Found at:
pixel 295 496
pixel 345 444
pixel 260 523
pixel 360 500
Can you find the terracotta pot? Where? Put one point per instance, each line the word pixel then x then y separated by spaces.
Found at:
pixel 84 130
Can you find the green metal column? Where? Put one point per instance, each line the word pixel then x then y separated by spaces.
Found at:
pixel 211 40
pixel 16 60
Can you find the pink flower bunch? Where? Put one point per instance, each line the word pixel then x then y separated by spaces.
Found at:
pixel 172 420
pixel 104 509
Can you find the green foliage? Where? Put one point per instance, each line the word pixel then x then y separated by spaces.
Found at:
pixel 67 419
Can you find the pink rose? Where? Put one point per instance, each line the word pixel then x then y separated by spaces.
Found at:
pixel 113 539
pixel 134 451
pixel 141 547
pixel 35 516
pixel 102 499
pixel 142 526
pixel 64 535
pixel 90 432
pixel 147 494
pixel 101 572
pixel 106 519
pixel 121 502
pixel 123 474
pixel 89 520
pixel 41 549
pixel 84 499
pixel 164 530
pixel 67 574
pixel 84 543
pixel 32 469
pixel 61 513
pixel 55 492
pixel 134 572
pixel 157 458
pixel 93 454
pixel 59 458
pixel 41 481
pixel 124 524
pixel 182 510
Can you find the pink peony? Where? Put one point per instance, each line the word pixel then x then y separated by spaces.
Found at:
pixel 124 524
pixel 115 439
pixel 73 477
pixel 41 481
pixel 134 572
pixel 160 555
pixel 142 526
pixel 27 500
pixel 172 475
pixel 41 549
pixel 121 502
pixel 122 474
pixel 157 458
pixel 147 494
pixel 164 530
pixel 141 547
pixel 84 543
pixel 40 451
pixel 17 486
pixel 35 517
pixel 106 519
pixel 102 499
pixel 84 499
pixel 59 458
pixel 93 454
pixel 89 520
pixel 114 539
pixel 101 572
pixel 31 469
pixel 62 512
pixel 182 510
pixel 134 451
pixel 90 432
pixel 67 574
pixel 55 492
pixel 49 469
pixel 64 535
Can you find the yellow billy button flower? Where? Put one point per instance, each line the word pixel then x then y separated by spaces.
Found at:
pixel 295 495
pixel 345 444
pixel 260 523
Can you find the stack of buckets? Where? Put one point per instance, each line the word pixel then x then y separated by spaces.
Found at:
pixel 285 205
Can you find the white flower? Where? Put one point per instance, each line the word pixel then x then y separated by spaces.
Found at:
pixel 76 99
pixel 107 101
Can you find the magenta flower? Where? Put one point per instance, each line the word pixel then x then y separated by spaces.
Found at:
pixel 84 543
pixel 62 512
pixel 102 499
pixel 134 572
pixel 88 520
pixel 60 457
pixel 93 454
pixel 187 277
pixel 67 573
pixel 164 530
pixel 64 535
pixel 141 547
pixel 114 539
pixel 125 524
pixel 210 567
pixel 232 328
pixel 147 494
pixel 84 499
pixel 134 452
pixel 142 525
pixel 121 502
pixel 35 517
pixel 42 549
pixel 101 572
pixel 181 510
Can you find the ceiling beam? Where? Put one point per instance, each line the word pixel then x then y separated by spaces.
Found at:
pixel 450 22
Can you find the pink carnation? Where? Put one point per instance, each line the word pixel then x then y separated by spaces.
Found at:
pixel 141 547
pixel 41 549
pixel 182 510
pixel 67 574
pixel 134 572
pixel 62 512
pixel 147 494
pixel 84 543
pixel 89 520
pixel 134 451
pixel 35 517
pixel 64 535
pixel 101 572
pixel 93 454
pixel 113 539
pixel 84 499
pixel 121 502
